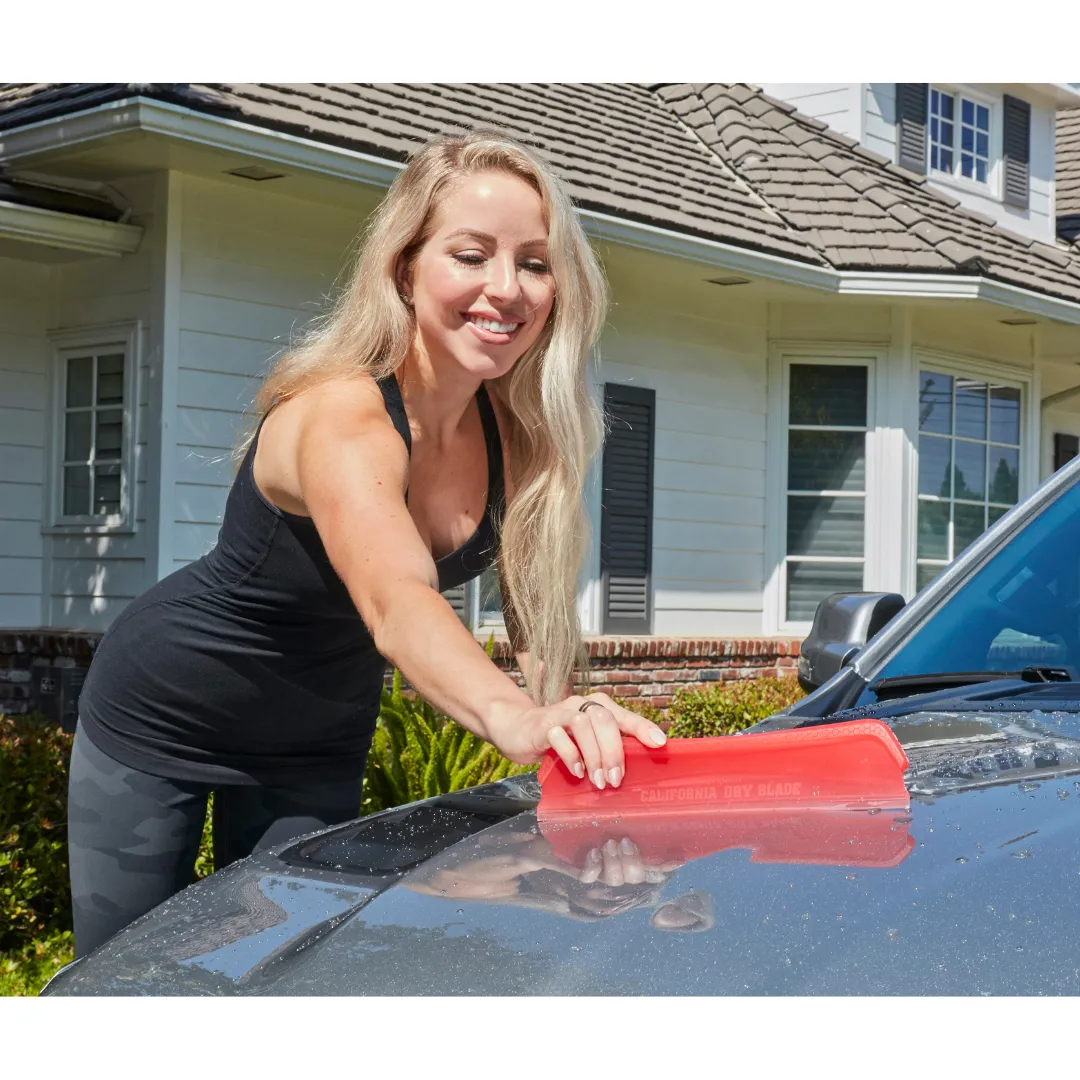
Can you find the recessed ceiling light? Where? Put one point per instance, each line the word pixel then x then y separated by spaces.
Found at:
pixel 728 281
pixel 255 172
pixel 1018 322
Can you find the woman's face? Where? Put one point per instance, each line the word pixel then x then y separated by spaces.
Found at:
pixel 481 287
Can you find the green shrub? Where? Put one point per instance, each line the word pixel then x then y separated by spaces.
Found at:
pixel 417 752
pixel 642 708
pixel 35 896
pixel 724 708
pixel 23 972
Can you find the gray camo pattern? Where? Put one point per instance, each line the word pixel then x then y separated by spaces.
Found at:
pixel 133 838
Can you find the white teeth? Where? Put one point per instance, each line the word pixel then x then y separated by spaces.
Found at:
pixel 495 327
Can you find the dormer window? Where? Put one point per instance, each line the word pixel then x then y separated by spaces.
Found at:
pixel 959 136
pixel 971 138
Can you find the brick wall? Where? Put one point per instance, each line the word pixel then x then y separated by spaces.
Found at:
pixel 652 669
pixel 42 670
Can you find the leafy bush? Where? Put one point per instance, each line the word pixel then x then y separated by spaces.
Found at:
pixel 23 972
pixel 417 752
pixel 35 896
pixel 724 708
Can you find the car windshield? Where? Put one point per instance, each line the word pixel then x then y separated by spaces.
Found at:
pixel 1021 609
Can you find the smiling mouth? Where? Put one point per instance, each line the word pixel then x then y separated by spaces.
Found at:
pixel 493 326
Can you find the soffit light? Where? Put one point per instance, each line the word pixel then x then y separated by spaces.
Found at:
pixel 727 281
pixel 255 172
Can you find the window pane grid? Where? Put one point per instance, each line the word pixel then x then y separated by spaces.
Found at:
pixel 966 481
pixel 93 426
pixel 826 489
pixel 959 146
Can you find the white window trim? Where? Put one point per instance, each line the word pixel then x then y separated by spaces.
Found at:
pixel 996 104
pixel 781 356
pixel 124 336
pixel 959 366
pixel 472 603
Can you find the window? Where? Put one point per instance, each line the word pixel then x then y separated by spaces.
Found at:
pixel 826 484
pixel 478 603
pixel 969 463
pixel 90 481
pixel 960 136
pixel 486 600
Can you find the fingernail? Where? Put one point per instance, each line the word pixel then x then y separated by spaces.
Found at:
pixel 628 846
pixel 611 848
pixel 578 770
pixel 657 738
pixel 615 775
pixel 598 778
pixel 593 856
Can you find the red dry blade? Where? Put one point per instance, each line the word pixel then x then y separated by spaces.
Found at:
pixel 784 795
pixel 855 765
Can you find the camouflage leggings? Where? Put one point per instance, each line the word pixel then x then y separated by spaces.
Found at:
pixel 133 838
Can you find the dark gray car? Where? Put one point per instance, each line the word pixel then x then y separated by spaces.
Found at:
pixel 970 891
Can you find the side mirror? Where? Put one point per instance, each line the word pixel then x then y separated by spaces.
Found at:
pixel 843 624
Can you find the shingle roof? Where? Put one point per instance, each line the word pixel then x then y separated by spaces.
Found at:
pixel 1067 174
pixel 852 205
pixel 618 147
pixel 716 160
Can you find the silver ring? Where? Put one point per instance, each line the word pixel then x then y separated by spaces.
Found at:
pixel 589 702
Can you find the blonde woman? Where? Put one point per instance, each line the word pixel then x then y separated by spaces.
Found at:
pixel 437 421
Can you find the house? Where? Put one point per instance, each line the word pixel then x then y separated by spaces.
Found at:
pixel 840 352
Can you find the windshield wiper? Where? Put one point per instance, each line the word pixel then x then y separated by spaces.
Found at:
pixel 945 680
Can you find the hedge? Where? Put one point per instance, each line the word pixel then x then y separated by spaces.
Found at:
pixel 416 753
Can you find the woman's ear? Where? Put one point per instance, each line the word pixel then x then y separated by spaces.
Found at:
pixel 404 286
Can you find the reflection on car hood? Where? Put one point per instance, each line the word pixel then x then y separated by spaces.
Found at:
pixel 980 901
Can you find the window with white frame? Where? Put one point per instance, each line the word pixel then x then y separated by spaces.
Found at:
pixel 91 475
pixel 486 600
pixel 959 134
pixel 970 438
pixel 827 430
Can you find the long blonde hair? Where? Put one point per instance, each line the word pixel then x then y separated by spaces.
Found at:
pixel 556 425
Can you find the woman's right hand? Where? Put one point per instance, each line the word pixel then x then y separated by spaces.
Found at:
pixel 589 741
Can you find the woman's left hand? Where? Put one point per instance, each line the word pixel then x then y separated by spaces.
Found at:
pixel 588 740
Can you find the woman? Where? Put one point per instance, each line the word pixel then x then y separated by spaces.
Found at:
pixel 438 419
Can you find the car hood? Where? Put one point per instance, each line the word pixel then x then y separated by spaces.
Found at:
pixel 969 891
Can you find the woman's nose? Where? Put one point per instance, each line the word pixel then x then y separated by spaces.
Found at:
pixel 503 281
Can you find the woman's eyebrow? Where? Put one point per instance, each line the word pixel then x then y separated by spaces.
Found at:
pixel 476 234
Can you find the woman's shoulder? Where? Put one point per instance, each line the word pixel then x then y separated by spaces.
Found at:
pixel 318 424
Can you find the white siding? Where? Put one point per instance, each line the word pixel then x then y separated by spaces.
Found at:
pixel 879 119
pixel 90 578
pixel 703 350
pixel 255 268
pixel 24 290
pixel 835 104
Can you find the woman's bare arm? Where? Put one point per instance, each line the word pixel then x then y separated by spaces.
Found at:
pixel 351 468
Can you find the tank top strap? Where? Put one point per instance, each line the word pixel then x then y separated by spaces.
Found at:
pixel 395 407
pixel 496 493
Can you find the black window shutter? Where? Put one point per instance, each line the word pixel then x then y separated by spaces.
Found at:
pixel 912 107
pixel 1066 447
pixel 457 598
pixel 626 510
pixel 1016 143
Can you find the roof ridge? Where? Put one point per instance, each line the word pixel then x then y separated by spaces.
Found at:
pixel 727 169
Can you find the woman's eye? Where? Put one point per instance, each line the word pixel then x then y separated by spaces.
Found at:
pixel 469 258
pixel 535 267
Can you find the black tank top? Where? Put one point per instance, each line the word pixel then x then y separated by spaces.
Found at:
pixel 251 664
